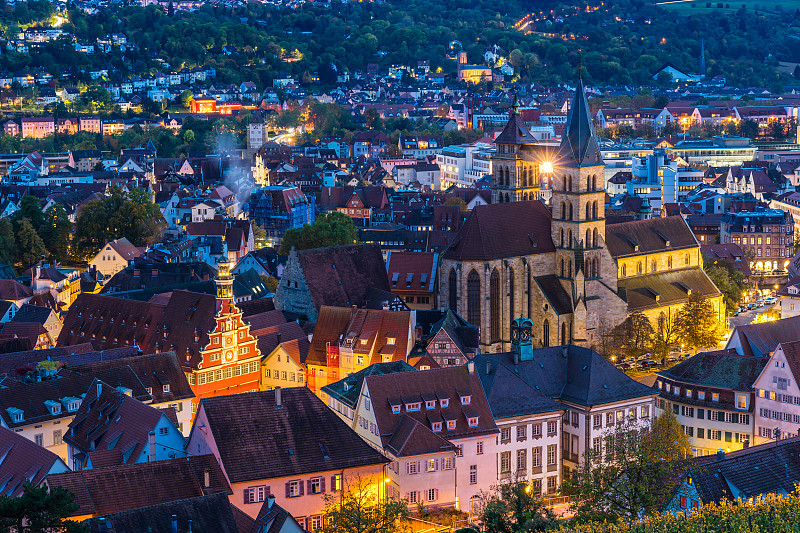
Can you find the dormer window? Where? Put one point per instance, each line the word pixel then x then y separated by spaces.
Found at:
pixel 165 388
pixel 364 342
pixel 15 414
pixel 430 404
pixel 473 421
pixel 444 402
pixel 53 407
pixel 149 390
pixel 701 395
pixel 414 406
pixel 465 400
pixel 437 427
pixel 390 340
pixel 451 425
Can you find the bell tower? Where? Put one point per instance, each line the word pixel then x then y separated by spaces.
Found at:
pixel 515 171
pixel 578 200
pixel 224 280
pixel 521 341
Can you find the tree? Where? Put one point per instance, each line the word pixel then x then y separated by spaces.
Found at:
pixel 730 282
pixel 55 231
pixel 634 337
pixel 31 208
pixel 665 336
pixel 39 510
pixel 512 507
pixel 626 479
pixel 332 229
pixel 462 205
pixel 30 247
pixel 131 215
pixel 373 119
pixel 186 98
pixel 8 244
pixel 698 324
pixel 360 509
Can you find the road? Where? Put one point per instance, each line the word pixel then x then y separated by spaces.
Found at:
pixel 742 319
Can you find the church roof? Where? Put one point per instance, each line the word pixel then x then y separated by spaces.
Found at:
pixel 667 288
pixel 555 293
pixel 579 143
pixel 498 231
pixel 639 237
pixel 515 132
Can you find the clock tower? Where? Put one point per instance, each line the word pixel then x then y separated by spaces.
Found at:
pixel 521 339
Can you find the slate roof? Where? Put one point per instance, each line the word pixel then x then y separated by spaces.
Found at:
pixel 125 248
pixel 503 230
pixel 411 438
pixel 271 519
pixel 257 440
pixel 434 384
pixel 100 491
pixel 649 236
pixel 23 461
pixel 342 275
pixel 575 374
pixel 153 371
pixel 724 369
pixel 515 131
pixel 411 271
pixel 113 426
pixel 202 513
pixel 762 339
pixel 269 338
pixel 14 290
pixel 348 390
pixel 579 145
pixel 265 319
pixel 68 355
pixel 508 394
pixel 670 288
pixel 556 294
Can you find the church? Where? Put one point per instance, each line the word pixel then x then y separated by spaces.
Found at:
pixel 518 258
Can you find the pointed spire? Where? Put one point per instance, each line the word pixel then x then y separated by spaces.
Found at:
pixel 579 145
pixel 514 106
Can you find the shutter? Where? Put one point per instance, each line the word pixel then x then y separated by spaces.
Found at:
pixel 436 464
pixel 322 484
pixel 408 468
pixel 246 497
pixel 267 491
pixel 419 466
pixel 309 486
pixel 287 490
pixel 333 483
pixel 302 485
pixel 436 495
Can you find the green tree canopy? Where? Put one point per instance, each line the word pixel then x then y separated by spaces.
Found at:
pixel 359 509
pixel 39 510
pixel 30 247
pixel 512 507
pixel 131 215
pixel 730 282
pixel 698 324
pixel 332 229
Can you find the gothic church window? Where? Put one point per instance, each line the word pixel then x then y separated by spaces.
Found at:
pixel 474 299
pixel 494 306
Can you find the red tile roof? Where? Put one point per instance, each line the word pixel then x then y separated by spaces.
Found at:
pixel 22 461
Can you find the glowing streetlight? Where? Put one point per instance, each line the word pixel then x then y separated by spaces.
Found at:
pixel 546 167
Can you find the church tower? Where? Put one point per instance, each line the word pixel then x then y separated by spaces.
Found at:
pixel 515 167
pixel 578 201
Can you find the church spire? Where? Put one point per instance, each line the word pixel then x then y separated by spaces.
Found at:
pixel 702 57
pixel 514 106
pixel 579 145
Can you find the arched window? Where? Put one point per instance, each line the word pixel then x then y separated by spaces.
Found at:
pixel 653 266
pixel 474 299
pixel 588 241
pixel 685 259
pixel 639 267
pixel 494 306
pixel 563 211
pixel 594 237
pixel 530 300
pixel 569 239
pixel 564 333
pixel 511 310
pixel 569 184
pixel 452 285
pixel 669 262
pixel 596 267
pixel 594 209
pixel 588 211
pixel 569 268
pixel 561 237
pixel 507 198
pixel 623 271
pixel 561 266
pixel 570 210
pixel 565 182
pixel 546 333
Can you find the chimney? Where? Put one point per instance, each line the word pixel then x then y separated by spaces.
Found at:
pixel 189 526
pixel 488 367
pixel 174 524
pixel 278 403
pixel 151 445
pixel 206 478
pixel 720 455
pixel 278 337
pixel 270 501
pixel 516 358
pixel 99 386
pixel 471 367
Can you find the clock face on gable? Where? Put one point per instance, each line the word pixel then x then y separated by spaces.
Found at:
pixel 229 356
pixel 228 340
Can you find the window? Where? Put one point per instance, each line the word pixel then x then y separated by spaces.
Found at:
pixel 396 409
pixel 701 395
pixel 479 448
pixel 473 421
pixel 316 523
pixel 536 457
pixel 336 482
pixel 597 445
pixel 536 430
pixel 39 439
pixel 459 450
pixel 521 433
pixel 254 494
pixel 316 485
pixel 741 401
pixel 575 418
pixel 447 463
pixel 522 460
pixel 609 419
pixel 715 434
pixel 162 431
pixel 551 454
pixel 551 428
pixel 444 402
pixel 412 497
pixel 597 421
pixel 430 404
pixel 451 425
pixel 473 474
pixel 551 484
pixel 431 494
pixel 430 465
pixel 412 467
pixel 505 435
pixel 294 489
pixel 645 411
pixel 57 437
pixel 416 406
pixel 465 400
pixel 437 427
pixel 714 396
pixel 505 462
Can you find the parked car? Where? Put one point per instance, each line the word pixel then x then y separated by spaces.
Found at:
pixel 624 366
pixel 770 300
